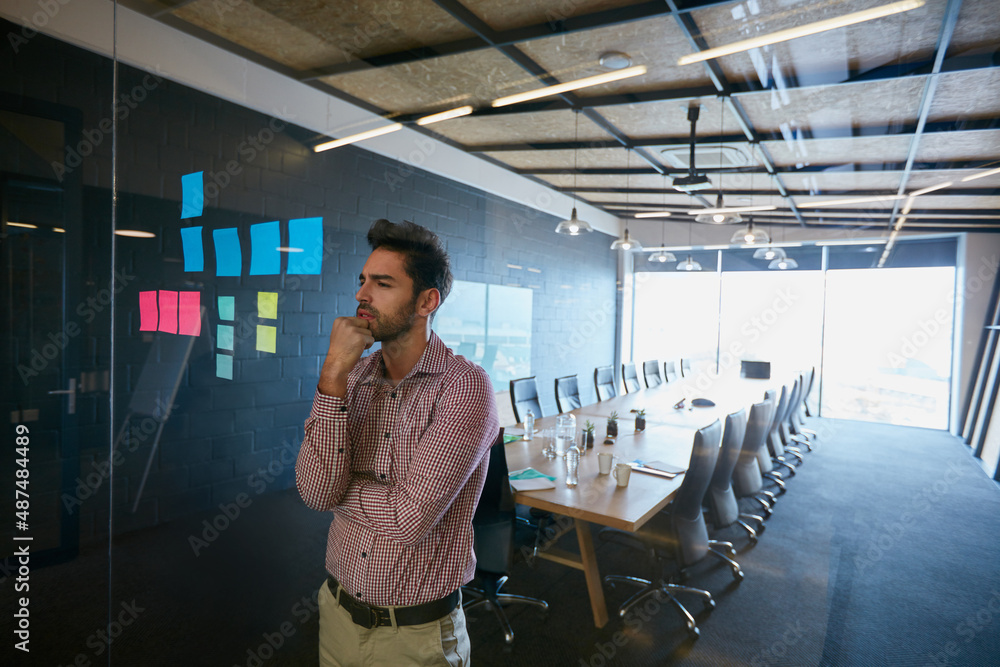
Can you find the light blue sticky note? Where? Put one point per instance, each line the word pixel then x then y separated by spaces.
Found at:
pixel 307 235
pixel 194 195
pixel 224 366
pixel 225 337
pixel 227 307
pixel 228 256
pixel 194 252
pixel 265 259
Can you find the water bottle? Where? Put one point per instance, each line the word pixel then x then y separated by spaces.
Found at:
pixel 572 466
pixel 529 426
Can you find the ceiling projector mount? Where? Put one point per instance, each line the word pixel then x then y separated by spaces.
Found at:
pixel 693 181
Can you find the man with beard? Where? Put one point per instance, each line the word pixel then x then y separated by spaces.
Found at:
pixel 396 446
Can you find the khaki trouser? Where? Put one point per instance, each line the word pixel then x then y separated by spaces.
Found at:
pixel 342 643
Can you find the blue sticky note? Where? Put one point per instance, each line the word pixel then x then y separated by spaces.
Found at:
pixel 265 259
pixel 194 252
pixel 228 256
pixel 194 195
pixel 227 308
pixel 225 337
pixel 224 366
pixel 306 234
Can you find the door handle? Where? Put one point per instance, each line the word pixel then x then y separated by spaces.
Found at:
pixel 71 406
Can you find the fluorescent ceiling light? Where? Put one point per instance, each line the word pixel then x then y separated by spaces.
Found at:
pixel 288 249
pixel 982 174
pixel 445 115
pixel 730 209
pixel 570 85
pixel 361 136
pixel 932 188
pixel 802 31
pixel 855 200
pixel 25 225
pixel 135 234
pixel 59 230
pixel 653 214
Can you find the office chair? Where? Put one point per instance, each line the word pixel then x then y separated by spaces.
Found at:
pixel 786 427
pixel 651 373
pixel 747 479
pixel 723 509
pixel 524 397
pixel 677 534
pixel 567 393
pixel 494 529
pixel 669 371
pixel 798 424
pixel 764 461
pixel 685 368
pixel 775 452
pixel 630 379
pixel 604 382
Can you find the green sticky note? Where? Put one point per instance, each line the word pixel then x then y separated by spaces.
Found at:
pixel 267 305
pixel 225 337
pixel 266 338
pixel 227 308
pixel 224 366
pixel 531 473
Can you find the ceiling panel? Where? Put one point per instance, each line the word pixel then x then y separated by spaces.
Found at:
pixel 517 13
pixel 821 58
pixel 587 158
pixel 877 105
pixel 469 78
pixel 976 29
pixel 669 118
pixel 656 43
pixel 959 96
pixel 843 181
pixel 845 150
pixel 958 145
pixel 539 126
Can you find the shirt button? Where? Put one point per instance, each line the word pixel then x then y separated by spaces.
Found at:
pixel 343 408
pixel 382 475
pixel 394 394
pixel 387 435
pixel 340 450
pixel 364 555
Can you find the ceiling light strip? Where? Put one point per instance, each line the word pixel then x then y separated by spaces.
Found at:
pixel 653 214
pixel 855 200
pixel 932 188
pixel 802 31
pixel 559 88
pixel 445 115
pixel 732 209
pixel 361 136
pixel 982 174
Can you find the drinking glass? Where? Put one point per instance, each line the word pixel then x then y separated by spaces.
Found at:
pixel 565 433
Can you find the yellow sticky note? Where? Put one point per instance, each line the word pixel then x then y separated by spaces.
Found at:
pixel 266 337
pixel 267 305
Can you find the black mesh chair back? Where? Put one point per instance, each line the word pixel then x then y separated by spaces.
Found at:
pixel 746 477
pixel 685 368
pixel 687 517
pixel 763 454
pixel 720 498
pixel 651 373
pixel 794 398
pixel 567 393
pixel 757 370
pixel 524 397
pixel 630 378
pixel 604 383
pixel 774 436
pixel 669 371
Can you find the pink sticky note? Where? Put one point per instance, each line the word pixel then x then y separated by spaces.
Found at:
pixel 168 312
pixel 189 314
pixel 148 315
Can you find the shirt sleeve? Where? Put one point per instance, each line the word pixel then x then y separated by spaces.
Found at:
pixel 464 426
pixel 323 468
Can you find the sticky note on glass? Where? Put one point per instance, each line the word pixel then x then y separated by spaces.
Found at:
pixel 194 252
pixel 266 337
pixel 193 191
pixel 267 305
pixel 305 234
pixel 168 312
pixel 148 313
pixel 189 313
pixel 228 255
pixel 265 259
pixel 225 337
pixel 227 308
pixel 224 366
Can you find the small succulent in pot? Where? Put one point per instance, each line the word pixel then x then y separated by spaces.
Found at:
pixel 640 420
pixel 613 424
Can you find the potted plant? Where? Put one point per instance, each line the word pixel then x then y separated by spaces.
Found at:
pixel 588 434
pixel 613 424
pixel 640 420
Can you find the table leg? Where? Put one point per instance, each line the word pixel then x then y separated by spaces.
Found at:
pixel 589 561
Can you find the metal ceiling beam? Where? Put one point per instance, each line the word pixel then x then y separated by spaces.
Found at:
pixel 950 192
pixel 842 168
pixel 930 87
pixel 557 24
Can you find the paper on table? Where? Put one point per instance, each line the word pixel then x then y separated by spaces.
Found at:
pixel 658 468
pixel 530 479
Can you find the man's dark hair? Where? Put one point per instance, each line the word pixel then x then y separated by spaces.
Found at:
pixel 426 261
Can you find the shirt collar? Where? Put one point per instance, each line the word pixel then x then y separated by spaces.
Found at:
pixel 434 360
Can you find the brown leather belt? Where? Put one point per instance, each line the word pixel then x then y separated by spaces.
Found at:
pixel 368 616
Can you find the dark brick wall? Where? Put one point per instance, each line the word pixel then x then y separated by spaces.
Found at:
pixel 226 437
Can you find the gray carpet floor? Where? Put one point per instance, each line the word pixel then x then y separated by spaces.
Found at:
pixel 884 551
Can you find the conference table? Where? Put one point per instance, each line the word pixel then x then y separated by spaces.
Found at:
pixel 667 438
